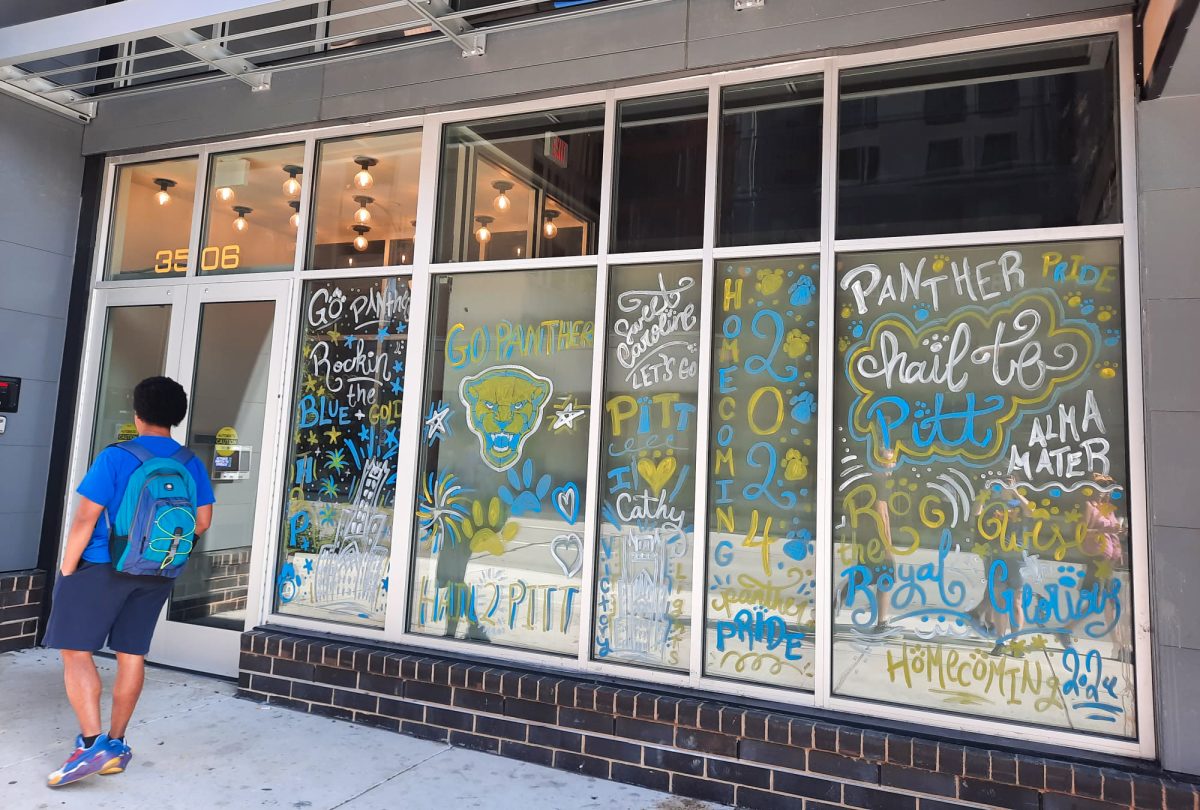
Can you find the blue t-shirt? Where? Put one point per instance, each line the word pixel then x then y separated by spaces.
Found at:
pixel 108 476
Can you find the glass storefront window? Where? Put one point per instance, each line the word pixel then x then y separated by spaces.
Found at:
pixel 981 511
pixel 337 528
pixel 525 186
pixel 770 162
pixel 760 613
pixel 249 225
pixel 648 466
pixel 499 547
pixel 151 219
pixel 366 201
pixel 135 347
pixel 1016 138
pixel 658 201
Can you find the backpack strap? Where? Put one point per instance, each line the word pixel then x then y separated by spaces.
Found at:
pixel 136 450
pixel 184 456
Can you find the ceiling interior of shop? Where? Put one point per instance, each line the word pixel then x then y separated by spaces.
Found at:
pixel 98 51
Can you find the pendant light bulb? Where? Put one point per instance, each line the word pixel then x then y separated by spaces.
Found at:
pixel 549 229
pixel 502 202
pixel 362 214
pixel 294 219
pixel 483 234
pixel 291 186
pixel 240 224
pixel 360 241
pixel 363 180
pixel 163 196
pixel 225 194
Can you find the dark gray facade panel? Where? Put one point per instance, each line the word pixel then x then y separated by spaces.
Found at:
pixel 1174 335
pixel 569 77
pixel 709 32
pixel 1179 708
pixel 40 171
pixel 1170 221
pixel 1176 595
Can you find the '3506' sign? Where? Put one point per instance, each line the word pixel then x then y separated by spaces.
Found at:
pixel 228 257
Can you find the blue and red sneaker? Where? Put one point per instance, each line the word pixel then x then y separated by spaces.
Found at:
pixel 96 758
pixel 122 753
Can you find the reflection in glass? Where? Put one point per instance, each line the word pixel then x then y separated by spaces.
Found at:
pixel 499 548
pixel 151 219
pixel 981 548
pixel 648 470
pixel 225 430
pixel 135 347
pixel 366 201
pixel 336 535
pixel 1017 138
pixel 770 163
pixel 248 225
pixel 524 186
pixel 659 194
pixel 760 614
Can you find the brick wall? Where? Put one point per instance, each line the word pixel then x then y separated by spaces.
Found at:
pixel 211 583
pixel 700 749
pixel 20 606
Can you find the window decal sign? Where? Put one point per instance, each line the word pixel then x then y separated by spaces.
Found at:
pixel 337 530
pixel 762 473
pixel 499 549
pixel 981 505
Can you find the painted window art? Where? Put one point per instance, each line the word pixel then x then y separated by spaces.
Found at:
pixel 337 529
pixel 648 466
pixel 762 469
pixel 981 495
pixel 500 515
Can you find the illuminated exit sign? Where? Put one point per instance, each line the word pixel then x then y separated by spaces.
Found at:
pixel 556 149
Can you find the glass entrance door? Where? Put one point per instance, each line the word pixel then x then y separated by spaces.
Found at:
pixel 230 364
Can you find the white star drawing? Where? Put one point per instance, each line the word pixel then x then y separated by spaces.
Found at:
pixel 435 424
pixel 565 416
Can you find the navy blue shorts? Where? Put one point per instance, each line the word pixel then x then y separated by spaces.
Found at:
pixel 96 604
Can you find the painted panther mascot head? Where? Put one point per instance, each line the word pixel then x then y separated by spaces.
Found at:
pixel 504 407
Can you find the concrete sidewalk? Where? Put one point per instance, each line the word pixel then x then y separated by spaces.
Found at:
pixel 197 746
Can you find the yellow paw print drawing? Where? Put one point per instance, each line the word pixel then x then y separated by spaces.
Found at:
pixel 769 281
pixel 1074 299
pixel 845 312
pixel 843 343
pixel 795 465
pixel 795 344
pixel 939 261
pixel 1107 369
pixel 491 534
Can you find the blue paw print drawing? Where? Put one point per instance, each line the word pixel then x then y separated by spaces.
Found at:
pixel 802 292
pixel 524 497
pixel 856 328
pixel 804 405
pixel 799 545
pixel 920 311
pixel 1087 307
pixel 1112 337
pixel 921 409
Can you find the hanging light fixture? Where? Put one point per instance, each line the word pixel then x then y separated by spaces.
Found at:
pixel 291 186
pixel 502 202
pixel 241 223
pixel 162 196
pixel 363 179
pixel 483 234
pixel 360 241
pixel 549 229
pixel 363 215
pixel 294 219
pixel 225 194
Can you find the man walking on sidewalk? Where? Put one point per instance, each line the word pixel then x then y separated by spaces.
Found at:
pixel 116 598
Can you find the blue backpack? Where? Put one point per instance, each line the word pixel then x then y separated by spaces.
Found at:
pixel 155 527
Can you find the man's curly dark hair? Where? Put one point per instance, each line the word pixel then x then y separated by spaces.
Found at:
pixel 160 401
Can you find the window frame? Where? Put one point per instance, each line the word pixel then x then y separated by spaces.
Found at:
pixel 826 248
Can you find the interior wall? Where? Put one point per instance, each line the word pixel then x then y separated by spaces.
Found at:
pixel 41 172
pixel 1169 202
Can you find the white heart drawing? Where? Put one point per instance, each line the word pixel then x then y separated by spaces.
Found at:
pixel 565 501
pixel 572 545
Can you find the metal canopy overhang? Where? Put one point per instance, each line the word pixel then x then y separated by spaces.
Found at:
pixel 67 63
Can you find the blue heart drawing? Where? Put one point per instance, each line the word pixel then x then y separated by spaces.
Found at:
pixel 566 502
